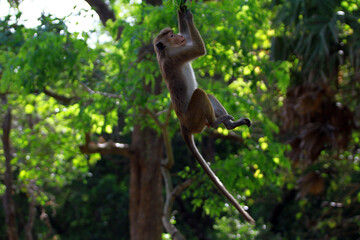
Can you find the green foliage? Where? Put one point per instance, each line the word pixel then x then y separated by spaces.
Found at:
pixel 95 207
pixel 45 133
pixel 320 41
pixel 235 70
pixel 33 67
pixel 94 86
pixel 319 33
pixel 233 228
pixel 177 3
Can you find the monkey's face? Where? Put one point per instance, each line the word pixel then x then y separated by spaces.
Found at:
pixel 167 40
pixel 176 40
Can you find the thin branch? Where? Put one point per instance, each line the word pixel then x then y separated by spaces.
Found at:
pixel 170 197
pixel 45 218
pixel 168 116
pixel 169 152
pixel 105 94
pixel 31 190
pixel 154 117
pixel 161 112
pixel 165 133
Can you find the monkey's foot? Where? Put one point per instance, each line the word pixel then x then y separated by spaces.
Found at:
pixel 229 124
pixel 222 119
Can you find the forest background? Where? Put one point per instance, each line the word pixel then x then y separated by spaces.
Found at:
pixel 90 148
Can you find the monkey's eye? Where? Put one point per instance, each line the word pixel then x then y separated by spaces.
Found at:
pixel 172 35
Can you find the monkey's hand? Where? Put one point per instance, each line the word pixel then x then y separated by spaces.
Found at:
pixel 183 7
pixel 186 15
pixel 183 10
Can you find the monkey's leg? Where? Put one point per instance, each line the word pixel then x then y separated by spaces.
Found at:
pixel 200 113
pixel 220 111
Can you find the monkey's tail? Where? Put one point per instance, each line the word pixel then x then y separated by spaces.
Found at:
pixel 189 139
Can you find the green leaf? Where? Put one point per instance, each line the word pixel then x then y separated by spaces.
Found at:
pixel 29 109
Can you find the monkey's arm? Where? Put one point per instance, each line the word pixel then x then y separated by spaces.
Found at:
pixel 183 25
pixel 196 38
pixel 195 46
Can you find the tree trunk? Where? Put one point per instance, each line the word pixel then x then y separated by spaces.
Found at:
pixel 30 224
pixel 8 203
pixel 146 200
pixel 32 211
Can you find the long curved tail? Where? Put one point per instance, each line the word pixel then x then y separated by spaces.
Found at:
pixel 189 139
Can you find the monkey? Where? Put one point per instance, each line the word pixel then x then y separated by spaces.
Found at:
pixel 194 108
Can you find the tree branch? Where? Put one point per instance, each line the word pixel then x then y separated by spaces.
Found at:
pixel 165 133
pixel 31 190
pixel 8 202
pixel 45 218
pixel 105 94
pixel 170 197
pixel 109 147
pixel 102 9
pixel 60 98
pixel 105 14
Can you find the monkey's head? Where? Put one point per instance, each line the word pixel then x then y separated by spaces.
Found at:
pixel 166 40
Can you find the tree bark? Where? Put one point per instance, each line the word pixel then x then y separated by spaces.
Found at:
pixel 8 203
pixel 146 200
pixel 32 211
pixel 105 14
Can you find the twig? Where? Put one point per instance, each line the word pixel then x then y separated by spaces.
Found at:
pixel 45 218
pixel 105 94
pixel 170 197
pixel 165 133
pixel 154 117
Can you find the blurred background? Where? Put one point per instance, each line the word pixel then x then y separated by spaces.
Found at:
pixel 91 149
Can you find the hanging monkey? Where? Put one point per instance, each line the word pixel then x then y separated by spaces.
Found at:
pixel 193 106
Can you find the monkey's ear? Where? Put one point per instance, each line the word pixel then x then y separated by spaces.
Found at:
pixel 160 46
